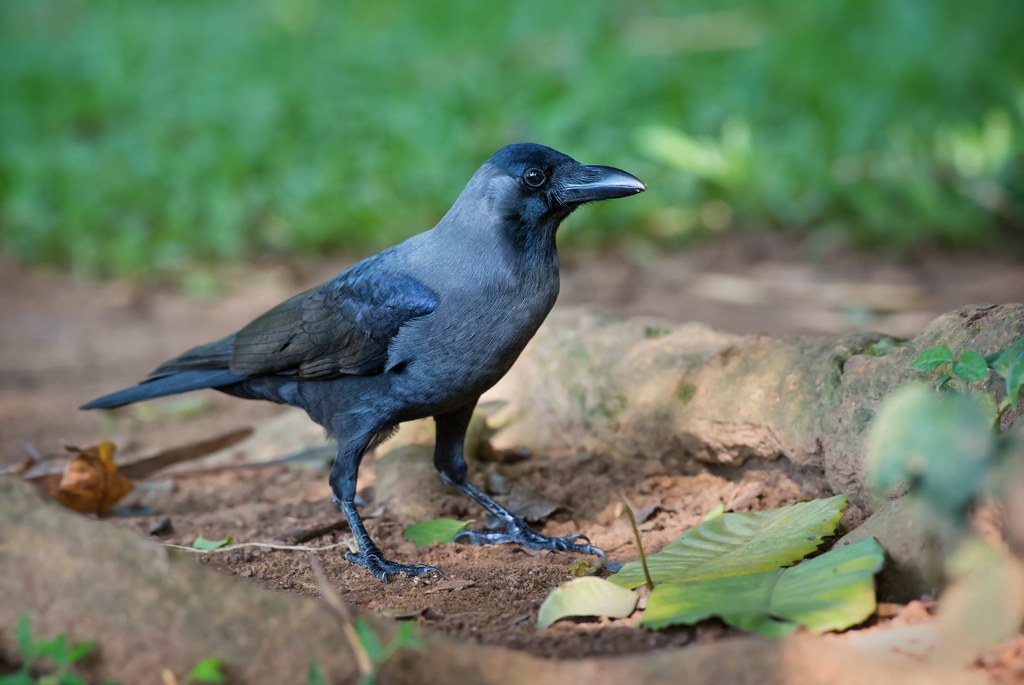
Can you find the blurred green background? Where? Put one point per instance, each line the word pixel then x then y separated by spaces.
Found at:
pixel 140 137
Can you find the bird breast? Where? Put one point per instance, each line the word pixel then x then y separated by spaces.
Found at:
pixel 471 340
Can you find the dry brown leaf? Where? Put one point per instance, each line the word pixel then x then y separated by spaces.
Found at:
pixel 450 585
pixel 91 483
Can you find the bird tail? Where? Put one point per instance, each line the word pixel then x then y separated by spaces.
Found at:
pixel 168 384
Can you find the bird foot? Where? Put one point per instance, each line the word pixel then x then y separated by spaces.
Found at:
pixel 380 568
pixel 531 539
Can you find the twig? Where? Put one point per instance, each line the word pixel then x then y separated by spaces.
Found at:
pixel 266 545
pixel 639 544
pixel 332 600
pixel 300 536
pixel 31 451
pixel 146 466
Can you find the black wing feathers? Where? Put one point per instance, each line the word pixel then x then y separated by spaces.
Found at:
pixel 343 327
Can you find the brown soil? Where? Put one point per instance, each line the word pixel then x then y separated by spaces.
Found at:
pixel 487 594
pixel 64 342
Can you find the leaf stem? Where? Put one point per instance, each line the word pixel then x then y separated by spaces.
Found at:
pixel 265 545
pixel 639 543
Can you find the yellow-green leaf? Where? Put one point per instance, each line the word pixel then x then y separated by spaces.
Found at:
pixel 587 596
pixel 740 543
pixel 830 592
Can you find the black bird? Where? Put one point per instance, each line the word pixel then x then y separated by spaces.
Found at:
pixel 420 329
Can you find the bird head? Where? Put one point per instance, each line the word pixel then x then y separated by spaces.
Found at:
pixel 538 187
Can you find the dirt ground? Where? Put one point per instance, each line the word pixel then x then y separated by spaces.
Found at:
pixel 275 504
pixel 64 342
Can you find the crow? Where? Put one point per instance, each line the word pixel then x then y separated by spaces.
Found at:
pixel 420 329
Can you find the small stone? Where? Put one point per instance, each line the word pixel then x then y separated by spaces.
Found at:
pixel 497 484
pixel 162 526
pixel 914 565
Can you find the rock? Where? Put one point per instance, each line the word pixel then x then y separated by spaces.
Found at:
pixel 590 382
pixel 287 434
pixel 407 482
pixel 497 484
pixel 148 609
pixel 161 526
pixel 914 558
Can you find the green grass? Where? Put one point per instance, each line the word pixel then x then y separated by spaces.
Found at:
pixel 141 136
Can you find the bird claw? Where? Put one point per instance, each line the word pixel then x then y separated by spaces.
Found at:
pixel 380 568
pixel 531 539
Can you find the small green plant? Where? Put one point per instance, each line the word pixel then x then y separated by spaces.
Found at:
pixel 955 371
pixel 206 671
pixel 379 654
pixel 34 654
pixel 315 675
pixel 945 448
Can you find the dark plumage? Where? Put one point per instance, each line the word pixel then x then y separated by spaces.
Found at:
pixel 420 329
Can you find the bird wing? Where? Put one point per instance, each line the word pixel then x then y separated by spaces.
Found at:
pixel 342 327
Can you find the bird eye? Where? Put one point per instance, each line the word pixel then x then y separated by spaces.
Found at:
pixel 534 177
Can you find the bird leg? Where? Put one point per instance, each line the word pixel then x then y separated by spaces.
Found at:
pixel 343 486
pixel 451 465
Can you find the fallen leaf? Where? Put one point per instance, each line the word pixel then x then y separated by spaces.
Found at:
pixel 449 585
pixel 91 483
pixel 529 505
pixel 202 543
pixel 830 592
pixel 645 513
pixel 588 596
pixel 740 543
pixel 437 530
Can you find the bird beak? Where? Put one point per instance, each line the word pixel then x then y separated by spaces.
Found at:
pixel 594 182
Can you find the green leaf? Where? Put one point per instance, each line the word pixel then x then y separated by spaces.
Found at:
pixel 438 530
pixel 368 639
pixel 932 358
pixel 208 671
pixel 202 543
pixel 315 675
pixel 587 596
pixel 22 677
pixel 1010 365
pixel 715 512
pixel 971 367
pixel 830 592
pixel 79 650
pixel 56 649
pixel 407 637
pixel 23 636
pixel 71 679
pixel 762 625
pixel 833 591
pixel 940 444
pixel 740 543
